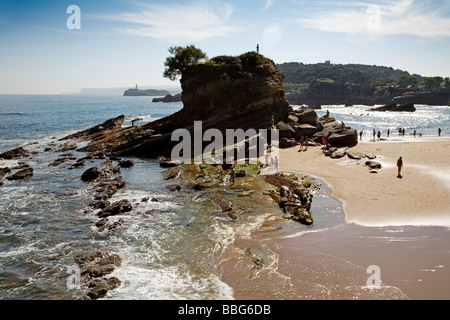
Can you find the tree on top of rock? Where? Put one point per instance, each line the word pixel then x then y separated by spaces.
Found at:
pixel 183 58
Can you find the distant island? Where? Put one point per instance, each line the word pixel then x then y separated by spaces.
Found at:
pixel 145 93
pixel 327 83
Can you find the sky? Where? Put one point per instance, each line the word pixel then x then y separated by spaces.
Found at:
pixel 53 47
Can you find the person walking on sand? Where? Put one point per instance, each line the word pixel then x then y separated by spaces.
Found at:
pixel 379 135
pixel 439 131
pixel 276 163
pixel 399 166
pixel 306 143
pixel 374 133
pixel 360 135
pixel 302 141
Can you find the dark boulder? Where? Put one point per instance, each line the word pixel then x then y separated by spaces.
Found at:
pixel 287 143
pixel 171 173
pixel 91 174
pixel 100 287
pixel 394 107
pixel 338 154
pixel 343 138
pixel 285 130
pixel 373 164
pixel 356 155
pixel 126 163
pixel 225 205
pixel 305 130
pixel 4 172
pixel 120 207
pixel 15 154
pixel 173 188
pixel 24 174
pixel 307 116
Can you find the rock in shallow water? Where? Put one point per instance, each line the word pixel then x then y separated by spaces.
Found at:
pixel 24 174
pixel 15 154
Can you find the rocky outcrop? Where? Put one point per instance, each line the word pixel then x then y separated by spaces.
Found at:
pixel 337 134
pixel 94 267
pixel 428 98
pixel 169 98
pixel 105 137
pixel 394 107
pixel 15 154
pixel 294 199
pixel 23 174
pixel 117 208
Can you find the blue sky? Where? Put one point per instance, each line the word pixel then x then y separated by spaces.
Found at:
pixel 124 42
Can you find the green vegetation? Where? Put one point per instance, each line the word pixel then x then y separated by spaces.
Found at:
pixel 432 83
pixel 299 77
pixel 308 182
pixel 299 73
pixel 183 59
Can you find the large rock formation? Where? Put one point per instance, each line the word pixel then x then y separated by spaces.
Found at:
pixel 244 92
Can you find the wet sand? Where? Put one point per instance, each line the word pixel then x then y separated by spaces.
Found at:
pixel 399 225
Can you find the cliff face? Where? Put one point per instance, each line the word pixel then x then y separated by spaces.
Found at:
pixel 226 93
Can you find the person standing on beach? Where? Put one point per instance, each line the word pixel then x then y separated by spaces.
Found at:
pixel 399 166
pixel 374 133
pixel 324 143
pixel 306 143
pixel 233 176
pixel 276 163
pixel 360 135
pixel 388 132
pixel 439 131
pixel 379 135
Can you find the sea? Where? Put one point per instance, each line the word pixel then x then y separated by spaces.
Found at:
pixel 171 256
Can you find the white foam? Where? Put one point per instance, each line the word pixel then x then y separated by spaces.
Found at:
pixel 166 283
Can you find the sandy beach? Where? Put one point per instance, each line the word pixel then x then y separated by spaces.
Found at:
pixel 399 225
pixel 421 197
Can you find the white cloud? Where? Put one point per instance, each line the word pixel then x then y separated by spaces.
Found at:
pixel 269 3
pixel 405 17
pixel 177 22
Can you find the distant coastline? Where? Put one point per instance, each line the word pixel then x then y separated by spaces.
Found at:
pixel 119 91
